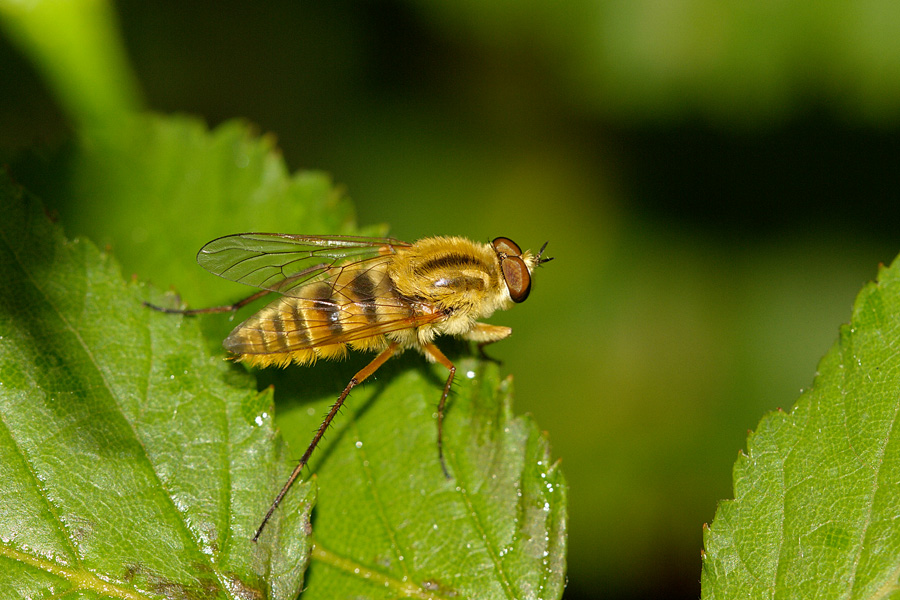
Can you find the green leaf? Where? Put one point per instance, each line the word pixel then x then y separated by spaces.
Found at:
pixel 388 523
pixel 817 499
pixel 132 463
pixel 156 189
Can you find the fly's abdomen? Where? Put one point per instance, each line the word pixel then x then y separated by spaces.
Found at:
pixel 319 319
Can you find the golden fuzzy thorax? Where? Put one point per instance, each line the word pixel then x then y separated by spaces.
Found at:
pixel 452 273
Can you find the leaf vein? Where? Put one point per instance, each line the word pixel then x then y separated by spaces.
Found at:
pixel 348 565
pixel 380 510
pixel 45 496
pixel 80 579
pixel 871 501
pixel 479 526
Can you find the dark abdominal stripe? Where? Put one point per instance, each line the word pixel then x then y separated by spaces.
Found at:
pixel 363 288
pixel 327 309
pixel 299 321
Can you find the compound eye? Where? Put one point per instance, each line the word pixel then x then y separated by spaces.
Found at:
pixel 518 279
pixel 506 246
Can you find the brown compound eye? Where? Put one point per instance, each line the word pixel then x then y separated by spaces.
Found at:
pixel 506 246
pixel 518 279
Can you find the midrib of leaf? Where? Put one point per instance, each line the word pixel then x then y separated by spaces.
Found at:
pixel 80 579
pixel 382 517
pixel 25 459
pixel 781 521
pixel 112 397
pixel 404 589
pixel 227 485
pixel 876 480
pixel 37 483
pixel 890 586
pixel 473 515
pixel 471 512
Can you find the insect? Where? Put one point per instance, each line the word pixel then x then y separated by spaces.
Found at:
pixel 371 294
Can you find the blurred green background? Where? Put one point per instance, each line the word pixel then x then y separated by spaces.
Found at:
pixel 717 180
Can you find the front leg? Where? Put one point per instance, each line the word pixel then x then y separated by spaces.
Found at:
pixel 485 334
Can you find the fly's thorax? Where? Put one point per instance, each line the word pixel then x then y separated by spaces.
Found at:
pixel 457 275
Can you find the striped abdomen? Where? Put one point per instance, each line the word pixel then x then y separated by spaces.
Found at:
pixel 318 320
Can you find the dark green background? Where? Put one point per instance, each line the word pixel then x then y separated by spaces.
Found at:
pixel 717 180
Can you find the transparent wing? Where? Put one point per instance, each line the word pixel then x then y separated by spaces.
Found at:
pixel 280 262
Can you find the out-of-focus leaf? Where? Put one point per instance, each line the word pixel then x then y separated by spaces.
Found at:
pixel 132 463
pixel 77 47
pixel 817 496
pixel 154 189
pixel 732 61
pixel 157 188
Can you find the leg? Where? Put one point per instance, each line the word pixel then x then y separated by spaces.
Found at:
pixel 356 380
pixel 432 351
pixel 485 334
pixel 211 309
